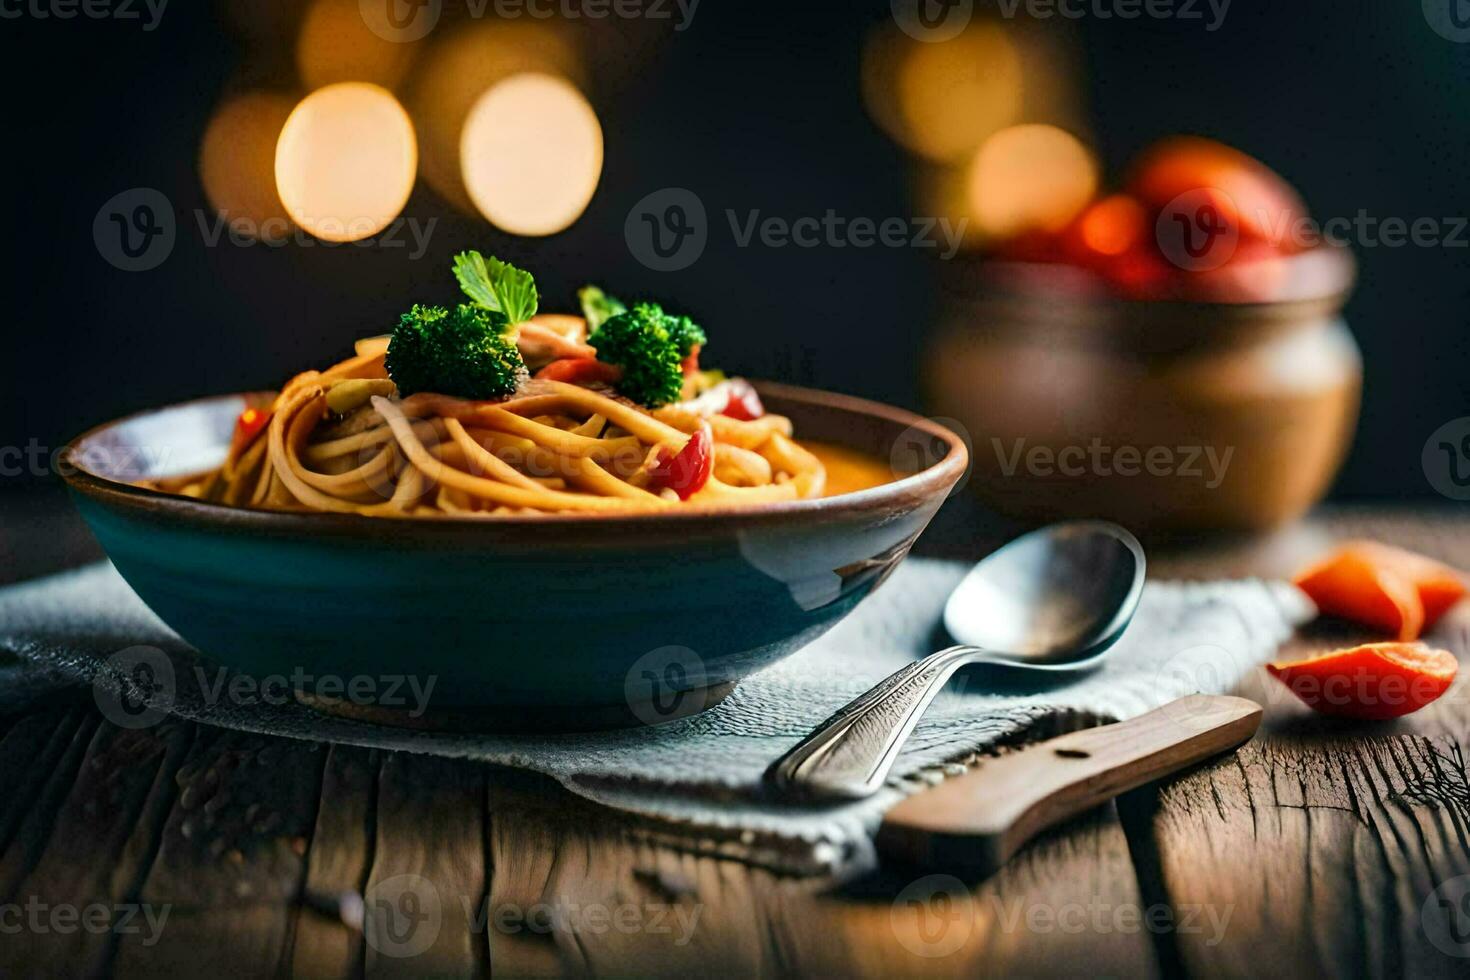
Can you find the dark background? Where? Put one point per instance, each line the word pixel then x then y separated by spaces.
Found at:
pixel 756 106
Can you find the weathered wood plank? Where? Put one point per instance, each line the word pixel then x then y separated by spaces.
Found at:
pixel 101 840
pixel 428 878
pixel 29 755
pixel 231 861
pixel 1322 854
pixel 34 808
pixel 328 937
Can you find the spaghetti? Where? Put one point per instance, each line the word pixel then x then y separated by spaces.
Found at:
pixel 345 440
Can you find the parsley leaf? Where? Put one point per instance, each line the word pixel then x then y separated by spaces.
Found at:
pixel 497 286
pixel 598 307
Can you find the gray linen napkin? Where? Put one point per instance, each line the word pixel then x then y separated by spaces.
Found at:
pixel 695 783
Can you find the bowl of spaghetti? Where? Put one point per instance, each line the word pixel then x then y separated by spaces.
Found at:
pixel 562 521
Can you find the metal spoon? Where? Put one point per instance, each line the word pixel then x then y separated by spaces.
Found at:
pixel 1055 599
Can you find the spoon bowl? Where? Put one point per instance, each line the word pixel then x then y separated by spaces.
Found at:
pixel 1055 599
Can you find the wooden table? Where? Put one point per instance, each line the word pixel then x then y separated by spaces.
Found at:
pixel 1317 848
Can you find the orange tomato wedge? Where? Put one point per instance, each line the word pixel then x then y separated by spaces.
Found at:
pixel 1371 682
pixel 1389 589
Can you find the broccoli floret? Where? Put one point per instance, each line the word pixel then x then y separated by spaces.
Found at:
pixel 649 345
pixel 468 353
pixel 687 334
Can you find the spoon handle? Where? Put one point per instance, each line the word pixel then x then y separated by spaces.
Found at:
pixel 849 755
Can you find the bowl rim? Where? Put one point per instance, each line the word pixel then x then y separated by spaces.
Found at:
pixel 905 493
pixel 1336 279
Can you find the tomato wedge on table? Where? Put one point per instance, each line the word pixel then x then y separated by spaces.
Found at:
pixel 687 471
pixel 1373 682
pixel 580 370
pixel 1387 588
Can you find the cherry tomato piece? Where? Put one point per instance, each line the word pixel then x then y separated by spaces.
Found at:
pixel 580 371
pixel 687 471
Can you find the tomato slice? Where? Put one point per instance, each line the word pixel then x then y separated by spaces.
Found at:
pixel 1390 589
pixel 251 423
pixel 745 401
pixel 1373 682
pixel 580 371
pixel 687 471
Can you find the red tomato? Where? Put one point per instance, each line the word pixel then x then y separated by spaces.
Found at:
pixel 1249 195
pixel 1391 589
pixel 1105 230
pixel 250 424
pixel 1373 682
pixel 580 371
pixel 688 470
pixel 745 402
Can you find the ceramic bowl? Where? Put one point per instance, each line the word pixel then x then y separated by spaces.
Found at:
pixel 1166 416
pixel 535 622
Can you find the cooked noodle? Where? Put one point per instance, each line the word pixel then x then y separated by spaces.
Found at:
pixel 552 448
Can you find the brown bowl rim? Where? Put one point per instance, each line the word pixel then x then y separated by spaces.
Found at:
pixel 1344 267
pixel 906 493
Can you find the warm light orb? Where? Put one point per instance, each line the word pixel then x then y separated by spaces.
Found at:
pixel 457 71
pixel 346 160
pixel 1029 177
pixel 237 163
pixel 336 45
pixel 531 154
pixel 942 99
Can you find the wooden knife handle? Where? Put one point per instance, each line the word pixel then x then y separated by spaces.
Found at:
pixel 978 820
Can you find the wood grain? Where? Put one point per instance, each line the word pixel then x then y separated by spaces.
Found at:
pixel 1315 850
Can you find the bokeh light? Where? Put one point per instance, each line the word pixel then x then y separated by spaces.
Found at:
pixel 460 67
pixel 237 162
pixel 941 100
pixel 532 154
pixel 346 160
pixel 1030 177
pixel 336 45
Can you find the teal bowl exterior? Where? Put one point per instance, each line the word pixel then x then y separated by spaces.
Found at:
pixel 531 622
